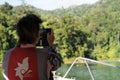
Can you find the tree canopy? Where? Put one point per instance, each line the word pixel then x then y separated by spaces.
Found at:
pixel 91 31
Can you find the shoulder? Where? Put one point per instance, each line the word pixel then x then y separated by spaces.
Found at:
pixel 42 50
pixel 5 60
pixel 8 52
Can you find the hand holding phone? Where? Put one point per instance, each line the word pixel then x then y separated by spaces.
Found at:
pixel 50 38
pixel 46 37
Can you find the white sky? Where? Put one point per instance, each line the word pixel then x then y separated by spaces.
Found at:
pixel 49 4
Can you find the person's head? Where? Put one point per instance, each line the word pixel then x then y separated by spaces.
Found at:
pixel 28 29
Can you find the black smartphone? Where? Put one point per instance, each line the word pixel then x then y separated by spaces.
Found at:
pixel 43 37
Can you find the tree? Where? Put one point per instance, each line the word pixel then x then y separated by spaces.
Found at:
pixel 6 8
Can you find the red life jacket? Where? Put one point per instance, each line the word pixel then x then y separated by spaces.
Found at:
pixel 22 64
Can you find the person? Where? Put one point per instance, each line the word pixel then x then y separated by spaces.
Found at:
pixel 25 61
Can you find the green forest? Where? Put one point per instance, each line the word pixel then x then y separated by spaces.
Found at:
pixel 89 30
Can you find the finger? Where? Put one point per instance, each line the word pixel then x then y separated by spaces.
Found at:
pixel 52 33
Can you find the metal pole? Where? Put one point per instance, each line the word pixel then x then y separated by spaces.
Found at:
pixel 70 68
pixel 88 60
pixel 99 62
pixel 89 70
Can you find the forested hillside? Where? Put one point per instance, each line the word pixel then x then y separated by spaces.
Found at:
pixel 91 31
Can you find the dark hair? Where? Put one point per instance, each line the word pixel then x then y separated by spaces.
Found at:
pixel 28 29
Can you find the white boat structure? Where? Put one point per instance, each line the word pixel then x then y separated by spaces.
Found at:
pixel 87 65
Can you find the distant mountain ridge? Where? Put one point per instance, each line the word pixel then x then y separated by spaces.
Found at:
pixel 77 10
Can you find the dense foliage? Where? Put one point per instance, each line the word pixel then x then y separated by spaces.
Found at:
pixel 88 30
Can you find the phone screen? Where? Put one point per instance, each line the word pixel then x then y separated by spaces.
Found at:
pixel 43 37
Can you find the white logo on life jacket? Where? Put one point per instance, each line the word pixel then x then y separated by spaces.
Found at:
pixel 23 69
